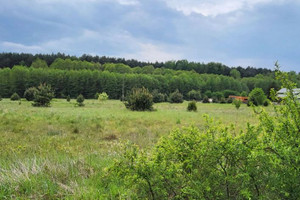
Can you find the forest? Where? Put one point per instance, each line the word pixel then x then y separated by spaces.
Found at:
pixel 88 75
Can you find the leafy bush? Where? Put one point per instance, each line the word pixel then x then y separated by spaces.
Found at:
pixel 217 95
pixel 43 96
pixel 80 100
pixel 229 100
pixel 194 95
pixel 192 106
pixel 15 97
pixel 208 93
pixel 30 93
pixel 237 103
pixel 139 99
pixel 102 97
pixel 68 98
pixel 266 103
pixel 257 97
pixel 205 100
pixel 176 97
pixel 212 162
pixel 223 100
pixel 158 97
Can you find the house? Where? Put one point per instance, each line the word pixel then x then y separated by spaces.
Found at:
pixel 242 99
pixel 283 92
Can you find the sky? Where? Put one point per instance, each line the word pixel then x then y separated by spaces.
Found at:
pixel 243 33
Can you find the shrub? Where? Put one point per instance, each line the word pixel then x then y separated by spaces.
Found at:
pixel 43 96
pixel 212 162
pixel 217 95
pixel 68 98
pixel 229 100
pixel 237 103
pixel 194 95
pixel 266 103
pixel 176 97
pixel 15 97
pixel 157 96
pixel 215 100
pixel 97 95
pixel 80 100
pixel 139 99
pixel 29 93
pixel 102 97
pixel 205 100
pixel 208 93
pixel 223 100
pixel 244 94
pixel 257 97
pixel 192 106
pixel 0 98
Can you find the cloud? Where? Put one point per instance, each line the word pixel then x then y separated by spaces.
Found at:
pixel 17 47
pixel 213 8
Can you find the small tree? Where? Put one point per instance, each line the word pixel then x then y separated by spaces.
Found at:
pixel 80 100
pixel 192 106
pixel 29 93
pixel 176 97
pixel 15 97
pixel 237 103
pixel 43 96
pixel 139 99
pixel 68 98
pixel 102 97
pixel 39 63
pixel 257 97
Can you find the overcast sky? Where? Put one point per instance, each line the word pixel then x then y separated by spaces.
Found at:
pixel 235 32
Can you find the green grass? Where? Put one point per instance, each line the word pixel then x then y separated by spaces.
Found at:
pixel 60 151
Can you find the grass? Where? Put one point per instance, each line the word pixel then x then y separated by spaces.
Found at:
pixel 60 151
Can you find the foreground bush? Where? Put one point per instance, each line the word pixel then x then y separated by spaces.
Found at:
pixel 140 99
pixel 262 162
pixel 237 103
pixel 30 93
pixel 15 97
pixel 102 97
pixel 43 96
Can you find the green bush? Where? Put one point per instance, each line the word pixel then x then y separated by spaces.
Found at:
pixel 223 100
pixel 266 103
pixel 176 97
pixel 158 97
pixel 257 97
pixel 80 100
pixel 139 99
pixel 68 98
pixel 205 100
pixel 217 95
pixel 30 93
pixel 229 100
pixel 212 162
pixel 15 97
pixel 192 106
pixel 43 96
pixel 0 98
pixel 194 95
pixel 102 97
pixel 237 103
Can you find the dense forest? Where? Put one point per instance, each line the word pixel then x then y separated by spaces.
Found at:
pixel 88 75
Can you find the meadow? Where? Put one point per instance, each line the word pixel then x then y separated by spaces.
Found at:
pixel 60 151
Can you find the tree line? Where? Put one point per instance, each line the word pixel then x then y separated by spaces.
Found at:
pixel 26 59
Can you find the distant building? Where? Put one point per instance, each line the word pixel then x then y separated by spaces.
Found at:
pixel 243 99
pixel 283 92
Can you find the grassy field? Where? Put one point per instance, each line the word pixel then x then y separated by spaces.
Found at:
pixel 60 151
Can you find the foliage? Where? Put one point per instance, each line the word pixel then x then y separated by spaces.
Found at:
pixel 205 100
pixel 39 63
pixel 244 94
pixel 194 95
pixel 192 106
pixel 80 100
pixel 102 97
pixel 68 98
pixel 0 98
pixel 15 97
pixel 158 97
pixel 176 97
pixel 43 96
pixel 140 99
pixel 30 93
pixel 257 97
pixel 223 100
pixel 237 103
pixel 262 162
